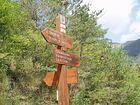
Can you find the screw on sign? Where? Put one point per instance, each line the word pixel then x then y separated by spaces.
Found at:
pixel 62 77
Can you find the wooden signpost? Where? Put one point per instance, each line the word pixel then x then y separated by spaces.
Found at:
pixel 62 77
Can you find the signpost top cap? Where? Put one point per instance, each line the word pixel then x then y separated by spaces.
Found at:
pixel 62 19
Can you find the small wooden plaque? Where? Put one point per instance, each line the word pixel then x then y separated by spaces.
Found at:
pixel 52 78
pixel 61 57
pixel 57 38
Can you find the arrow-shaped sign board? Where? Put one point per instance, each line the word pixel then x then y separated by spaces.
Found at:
pixel 61 57
pixel 57 38
pixel 52 78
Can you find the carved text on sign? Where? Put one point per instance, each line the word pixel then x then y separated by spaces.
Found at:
pixel 57 38
pixel 61 57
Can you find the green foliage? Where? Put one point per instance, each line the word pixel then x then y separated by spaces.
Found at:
pixel 12 19
pixel 103 70
pixel 106 76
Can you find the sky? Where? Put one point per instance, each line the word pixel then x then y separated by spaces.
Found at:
pixel 120 17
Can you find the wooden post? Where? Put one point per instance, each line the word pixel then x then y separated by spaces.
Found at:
pixel 63 94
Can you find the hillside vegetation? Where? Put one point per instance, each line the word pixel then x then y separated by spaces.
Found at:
pixel 106 76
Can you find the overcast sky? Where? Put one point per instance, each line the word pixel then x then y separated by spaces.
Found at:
pixel 121 17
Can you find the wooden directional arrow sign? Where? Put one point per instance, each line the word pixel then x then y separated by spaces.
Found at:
pixel 61 57
pixel 52 78
pixel 57 38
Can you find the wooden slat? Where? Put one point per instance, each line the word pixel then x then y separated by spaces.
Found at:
pixel 57 38
pixel 61 57
pixel 72 76
pixel 52 78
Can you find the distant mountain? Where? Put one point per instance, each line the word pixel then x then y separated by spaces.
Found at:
pixel 116 45
pixel 127 43
pixel 132 47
